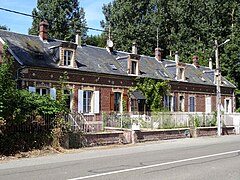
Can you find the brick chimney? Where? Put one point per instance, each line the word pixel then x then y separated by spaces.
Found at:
pixel 43 30
pixel 158 54
pixel 195 61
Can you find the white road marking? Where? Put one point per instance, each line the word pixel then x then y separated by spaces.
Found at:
pixel 155 165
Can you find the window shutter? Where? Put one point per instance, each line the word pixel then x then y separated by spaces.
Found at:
pixel 32 89
pixel 112 101
pixel 192 104
pixel 125 98
pixel 174 103
pixel 53 93
pixel 208 105
pixel 96 101
pixel 80 101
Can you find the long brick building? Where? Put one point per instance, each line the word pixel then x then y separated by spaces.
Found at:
pixel 99 78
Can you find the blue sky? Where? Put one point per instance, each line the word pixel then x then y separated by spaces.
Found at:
pixel 21 24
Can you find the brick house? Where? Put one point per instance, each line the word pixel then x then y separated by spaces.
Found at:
pixel 99 78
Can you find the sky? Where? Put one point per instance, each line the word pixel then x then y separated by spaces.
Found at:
pixel 21 24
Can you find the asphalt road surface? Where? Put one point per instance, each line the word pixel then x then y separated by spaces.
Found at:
pixel 200 158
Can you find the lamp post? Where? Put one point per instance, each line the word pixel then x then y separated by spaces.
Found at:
pixel 218 79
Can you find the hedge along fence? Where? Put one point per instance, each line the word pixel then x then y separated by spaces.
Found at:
pixel 33 133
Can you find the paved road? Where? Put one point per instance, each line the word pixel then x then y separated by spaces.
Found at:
pixel 201 158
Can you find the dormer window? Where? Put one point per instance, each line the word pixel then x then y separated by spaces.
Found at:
pixel 68 55
pixel 180 72
pixel 133 64
pixel 134 67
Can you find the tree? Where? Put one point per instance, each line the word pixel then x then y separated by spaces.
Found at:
pixel 189 27
pixel 130 21
pixel 65 17
pixel 153 90
pixel 97 40
pixel 4 27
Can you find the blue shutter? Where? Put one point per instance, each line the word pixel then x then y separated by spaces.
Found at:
pixel 96 101
pixel 174 103
pixel 53 93
pixel 192 104
pixel 32 89
pixel 80 101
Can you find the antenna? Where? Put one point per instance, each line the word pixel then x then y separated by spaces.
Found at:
pixel 157 37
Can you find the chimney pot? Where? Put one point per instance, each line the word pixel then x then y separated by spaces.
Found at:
pixel 176 57
pixel 158 54
pixel 78 38
pixel 210 63
pixel 134 48
pixel 195 61
pixel 43 30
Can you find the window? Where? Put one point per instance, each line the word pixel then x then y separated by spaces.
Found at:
pixel 117 101
pixel 181 71
pixel 67 94
pixel 208 105
pixel 134 67
pixel 227 105
pixel 67 57
pixel 181 103
pixel 191 104
pixel 134 105
pixel 170 103
pixel 42 91
pixel 87 101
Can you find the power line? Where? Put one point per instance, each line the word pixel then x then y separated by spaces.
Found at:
pixel 17 12
pixel 30 15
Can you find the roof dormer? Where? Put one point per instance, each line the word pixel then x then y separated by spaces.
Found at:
pixel 180 69
pixel 133 61
pixel 68 54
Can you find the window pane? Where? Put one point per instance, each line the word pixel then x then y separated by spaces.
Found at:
pixel 87 101
pixel 134 67
pixel 38 90
pixel 117 101
pixel 44 91
pixel 192 104
pixel 67 57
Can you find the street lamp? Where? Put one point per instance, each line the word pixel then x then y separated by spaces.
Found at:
pixel 218 79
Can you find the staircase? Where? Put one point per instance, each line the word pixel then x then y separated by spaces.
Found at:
pixel 79 123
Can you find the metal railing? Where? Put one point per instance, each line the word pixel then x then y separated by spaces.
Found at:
pixel 159 120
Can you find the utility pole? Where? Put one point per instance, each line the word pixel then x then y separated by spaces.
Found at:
pixel 218 84
pixel 218 95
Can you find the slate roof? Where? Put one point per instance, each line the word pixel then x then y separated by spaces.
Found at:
pixel 166 70
pixel 31 51
pixel 138 95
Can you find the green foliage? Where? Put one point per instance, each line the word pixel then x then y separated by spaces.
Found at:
pixel 4 27
pixel 22 112
pixel 189 28
pixel 96 40
pixel 153 90
pixel 195 120
pixel 8 92
pixel 65 17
